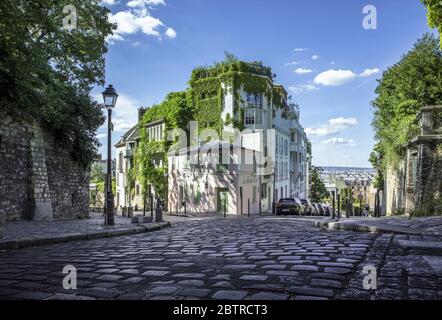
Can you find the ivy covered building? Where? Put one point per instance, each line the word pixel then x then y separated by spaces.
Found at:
pixel 238 103
pixel 128 187
pixel 232 107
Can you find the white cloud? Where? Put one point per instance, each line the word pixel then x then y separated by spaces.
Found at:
pixel 171 33
pixel 315 57
pixel 303 71
pixel 369 72
pixel 321 131
pixel 109 2
pixel 292 63
pixel 113 38
pixel 332 127
pixel 299 49
pixel 299 88
pixel 339 141
pixel 343 122
pixel 131 22
pixel 138 19
pixel 101 136
pixel 334 77
pixel 144 3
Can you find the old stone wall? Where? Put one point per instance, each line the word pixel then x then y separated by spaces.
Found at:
pixel 429 174
pixel 38 178
pixel 394 200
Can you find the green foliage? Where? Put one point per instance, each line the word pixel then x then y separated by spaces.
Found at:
pixel 431 206
pixel 130 182
pixel 174 110
pixel 434 15
pixel 318 191
pixel 206 91
pixel 176 113
pixel 97 173
pixel 203 101
pixel 46 71
pixel 375 159
pixel 398 212
pixel 415 81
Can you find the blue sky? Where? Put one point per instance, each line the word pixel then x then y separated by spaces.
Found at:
pixel 318 48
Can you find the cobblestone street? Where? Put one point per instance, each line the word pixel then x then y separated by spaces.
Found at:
pixel 236 258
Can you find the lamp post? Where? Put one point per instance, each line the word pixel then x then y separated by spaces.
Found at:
pixel 110 97
pixel 339 204
pixel 360 197
pixel 166 196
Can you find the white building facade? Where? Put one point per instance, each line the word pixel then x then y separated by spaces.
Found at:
pixel 125 161
pixel 279 142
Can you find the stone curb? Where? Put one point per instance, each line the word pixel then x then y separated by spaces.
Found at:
pixel 68 237
pixel 343 226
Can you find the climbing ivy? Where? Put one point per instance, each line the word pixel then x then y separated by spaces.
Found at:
pixel 203 101
pixel 210 84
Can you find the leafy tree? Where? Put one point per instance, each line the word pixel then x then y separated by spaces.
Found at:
pixel 434 15
pixel 47 71
pixel 97 173
pixel 415 81
pixel 318 191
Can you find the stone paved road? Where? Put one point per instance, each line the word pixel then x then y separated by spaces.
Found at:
pixel 234 258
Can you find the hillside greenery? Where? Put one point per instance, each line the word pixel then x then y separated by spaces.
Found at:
pixel 413 82
pixel 47 71
pixel 202 101
pixel 434 15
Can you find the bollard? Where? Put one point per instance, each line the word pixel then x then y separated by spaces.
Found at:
pixel 248 208
pixel 159 212
pixel 2 223
pixel 225 207
pixel 339 206
pixel 130 212
pixel 151 205
pixel 124 211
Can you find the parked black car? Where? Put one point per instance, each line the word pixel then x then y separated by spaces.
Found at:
pixel 287 206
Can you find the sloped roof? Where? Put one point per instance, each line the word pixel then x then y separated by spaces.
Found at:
pixel 131 135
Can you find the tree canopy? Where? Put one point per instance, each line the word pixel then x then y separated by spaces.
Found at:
pixel 47 70
pixel 434 15
pixel 415 81
pixel 318 191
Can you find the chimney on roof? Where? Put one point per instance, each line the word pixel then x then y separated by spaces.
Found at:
pixel 141 112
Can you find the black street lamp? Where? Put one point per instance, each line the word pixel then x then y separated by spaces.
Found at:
pixel 110 97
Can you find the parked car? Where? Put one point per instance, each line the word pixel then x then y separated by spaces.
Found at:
pixel 308 207
pixel 321 211
pixel 300 206
pixel 316 210
pixel 327 210
pixel 287 206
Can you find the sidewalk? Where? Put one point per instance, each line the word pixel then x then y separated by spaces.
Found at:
pixel 431 226
pixel 21 234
